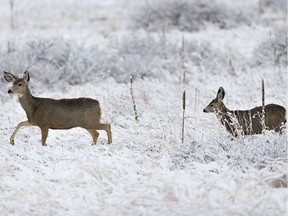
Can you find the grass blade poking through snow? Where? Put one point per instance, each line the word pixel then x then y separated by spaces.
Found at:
pixel 182 60
pixel 133 99
pixel 183 117
pixel 263 107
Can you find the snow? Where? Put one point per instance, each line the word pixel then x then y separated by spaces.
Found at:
pixel 146 170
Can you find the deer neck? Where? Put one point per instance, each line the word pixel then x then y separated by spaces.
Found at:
pixel 27 101
pixel 223 112
pixel 227 118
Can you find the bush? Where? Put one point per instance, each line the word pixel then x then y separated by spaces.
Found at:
pixel 190 15
pixel 57 63
pixel 54 60
pixel 272 51
pixel 274 5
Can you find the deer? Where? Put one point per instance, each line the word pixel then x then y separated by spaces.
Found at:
pixel 247 122
pixel 47 113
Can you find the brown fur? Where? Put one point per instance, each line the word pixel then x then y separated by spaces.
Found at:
pixel 48 113
pixel 247 122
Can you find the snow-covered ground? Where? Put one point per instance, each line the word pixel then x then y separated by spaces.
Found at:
pixel 91 48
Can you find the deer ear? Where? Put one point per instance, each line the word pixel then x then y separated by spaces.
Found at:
pixel 220 94
pixel 26 76
pixel 9 77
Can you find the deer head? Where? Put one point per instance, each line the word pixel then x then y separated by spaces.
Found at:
pixel 19 86
pixel 216 104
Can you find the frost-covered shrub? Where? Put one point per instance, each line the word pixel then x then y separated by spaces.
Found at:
pixel 57 63
pixel 147 56
pixel 48 60
pixel 274 5
pixel 257 150
pixel 273 51
pixel 54 60
pixel 190 15
pixel 158 57
pixel 52 51
pixel 207 58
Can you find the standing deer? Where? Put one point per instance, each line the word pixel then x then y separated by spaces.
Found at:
pixel 247 122
pixel 48 113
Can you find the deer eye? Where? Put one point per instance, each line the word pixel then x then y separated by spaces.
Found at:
pixel 212 105
pixel 19 84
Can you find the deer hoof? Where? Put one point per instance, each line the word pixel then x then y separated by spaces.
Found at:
pixel 12 142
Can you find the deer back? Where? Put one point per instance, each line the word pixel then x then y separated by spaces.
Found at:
pixel 66 113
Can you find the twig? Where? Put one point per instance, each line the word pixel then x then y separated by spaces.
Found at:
pixel 263 106
pixel 182 59
pixel 9 49
pixel 12 24
pixel 183 114
pixel 133 99
pixel 196 99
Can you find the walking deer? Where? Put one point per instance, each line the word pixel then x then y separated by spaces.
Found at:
pixel 48 113
pixel 247 122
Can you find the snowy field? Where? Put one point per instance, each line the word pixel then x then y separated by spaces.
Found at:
pixel 91 49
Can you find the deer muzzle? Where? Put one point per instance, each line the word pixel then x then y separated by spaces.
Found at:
pixel 10 91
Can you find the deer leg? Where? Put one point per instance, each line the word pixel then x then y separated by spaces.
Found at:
pixel 94 135
pixel 21 124
pixel 44 132
pixel 107 128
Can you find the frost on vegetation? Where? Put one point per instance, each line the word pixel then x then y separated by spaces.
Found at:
pixel 259 151
pixel 143 56
pixel 56 59
pixel 273 51
pixel 209 60
pixel 274 6
pixel 190 15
